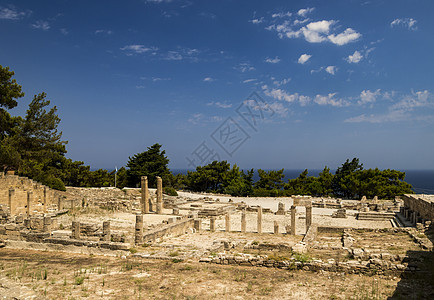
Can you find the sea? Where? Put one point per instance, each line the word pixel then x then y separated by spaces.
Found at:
pixel 421 180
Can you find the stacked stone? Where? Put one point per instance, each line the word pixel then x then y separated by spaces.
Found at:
pixel 212 224
pixel 259 219
pixel 138 237
pixel 75 230
pixel 281 209
pixel 243 221
pixel 159 195
pixel 293 219
pixel 340 213
pixel 106 231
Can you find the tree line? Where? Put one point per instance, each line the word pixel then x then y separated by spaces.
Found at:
pixel 33 147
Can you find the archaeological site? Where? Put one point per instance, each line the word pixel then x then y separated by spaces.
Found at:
pixel 138 243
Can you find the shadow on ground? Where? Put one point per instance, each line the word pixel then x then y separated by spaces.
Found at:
pixel 417 284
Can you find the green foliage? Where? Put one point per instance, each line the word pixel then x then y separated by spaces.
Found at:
pixel 168 190
pixel 151 163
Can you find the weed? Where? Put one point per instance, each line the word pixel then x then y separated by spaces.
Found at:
pixel 78 280
pixel 249 286
pixel 133 250
pixel 174 253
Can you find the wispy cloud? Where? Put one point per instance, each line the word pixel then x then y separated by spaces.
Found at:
pixel 281 82
pixel 304 58
pixel 244 67
pixel 313 32
pixel 182 53
pixel 249 80
pixel 331 70
pixel 64 31
pixel 103 31
pixel 42 25
pixel 257 20
pixel 304 11
pixel 220 104
pixel 368 97
pixel 12 13
pixel 208 79
pixel 355 58
pixel 281 14
pixel 417 106
pixel 272 60
pixel 156 79
pixel 409 23
pixel 330 100
pixel 137 49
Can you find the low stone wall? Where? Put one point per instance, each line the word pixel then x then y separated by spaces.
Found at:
pixel 371 267
pixel 14 192
pixel 172 229
pixel 423 205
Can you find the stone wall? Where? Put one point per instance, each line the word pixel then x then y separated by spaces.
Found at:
pixel 177 228
pixel 423 205
pixel 14 194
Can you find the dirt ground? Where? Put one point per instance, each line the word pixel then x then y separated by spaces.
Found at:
pixel 27 274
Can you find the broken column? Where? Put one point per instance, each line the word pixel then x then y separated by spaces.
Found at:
pixel 198 225
pixel 47 224
pixel 175 211
pixel 281 209
pixel 212 224
pixel 29 202
pixel 259 219
pixel 276 227
pixel 159 195
pixel 293 219
pixel 106 235
pixel 243 221
pixel 145 195
pixel 59 203
pixel 45 199
pixel 308 216
pixel 138 237
pixel 11 202
pixel 228 222
pixel 75 230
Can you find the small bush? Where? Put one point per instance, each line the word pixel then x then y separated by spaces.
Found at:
pixel 79 280
pixel 168 190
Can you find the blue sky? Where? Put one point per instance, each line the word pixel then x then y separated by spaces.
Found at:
pixel 264 84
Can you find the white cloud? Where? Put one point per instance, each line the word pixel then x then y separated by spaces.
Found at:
pixel 155 79
pixel 257 20
pixel 355 58
pixel 138 49
pixel 219 104
pixel 272 60
pixel 103 31
pixel 64 31
pixel 12 13
pixel 415 100
pixel 331 70
pixel 304 58
pixel 330 100
pixel 304 11
pixel 281 82
pixel 315 32
pixel 249 80
pixel 349 35
pixel 366 96
pixel 43 25
pixel 244 67
pixel 410 23
pixel 196 118
pixel 281 15
pixel 158 1
pixel 279 109
pixel 281 95
pixel 392 116
pixel 208 79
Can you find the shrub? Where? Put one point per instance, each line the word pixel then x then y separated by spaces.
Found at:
pixel 168 190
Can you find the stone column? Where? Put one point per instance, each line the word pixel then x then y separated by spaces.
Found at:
pixel 243 221
pixel 29 202
pixel 145 195
pixel 75 230
pixel 138 237
pixel 11 202
pixel 212 224
pixel 198 225
pixel 293 219
pixel 276 227
pixel 259 219
pixel 308 216
pixel 59 203
pixel 228 222
pixel 45 199
pixel 159 195
pixel 106 235
pixel 47 224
